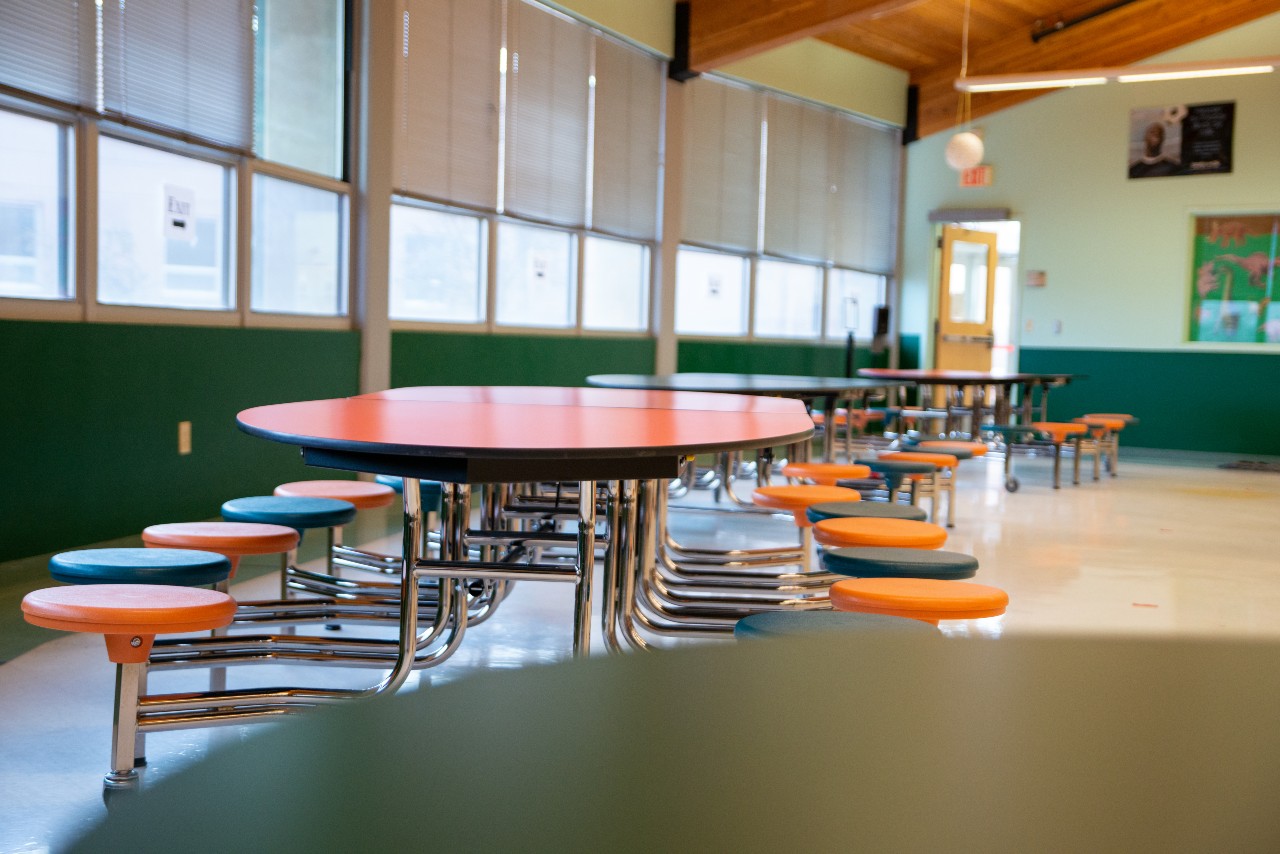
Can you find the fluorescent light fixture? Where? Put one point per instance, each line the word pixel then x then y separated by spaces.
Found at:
pixel 1122 74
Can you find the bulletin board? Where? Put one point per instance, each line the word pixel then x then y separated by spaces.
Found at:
pixel 1234 279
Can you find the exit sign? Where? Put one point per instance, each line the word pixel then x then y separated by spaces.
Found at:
pixel 976 176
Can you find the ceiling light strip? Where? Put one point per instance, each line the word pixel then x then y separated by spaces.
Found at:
pixel 1122 74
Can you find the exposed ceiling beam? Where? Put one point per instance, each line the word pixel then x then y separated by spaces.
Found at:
pixel 722 31
pixel 1122 37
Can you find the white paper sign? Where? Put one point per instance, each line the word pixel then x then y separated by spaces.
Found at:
pixel 179 213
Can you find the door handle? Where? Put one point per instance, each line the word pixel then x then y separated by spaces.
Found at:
pixel 969 339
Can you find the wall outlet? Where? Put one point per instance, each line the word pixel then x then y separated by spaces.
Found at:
pixel 1031 325
pixel 184 437
pixel 1057 327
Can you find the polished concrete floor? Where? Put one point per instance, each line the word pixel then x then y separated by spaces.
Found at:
pixel 1174 545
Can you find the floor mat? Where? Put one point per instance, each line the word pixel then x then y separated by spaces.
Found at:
pixel 1252 465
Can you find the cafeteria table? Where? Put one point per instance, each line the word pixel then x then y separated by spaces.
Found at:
pixel 999 384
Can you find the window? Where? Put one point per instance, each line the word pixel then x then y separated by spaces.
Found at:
pixel 852 297
pixel 162 228
pixel 615 285
pixel 535 276
pixel 711 293
pixel 437 265
pixel 298 236
pixel 299 118
pixel 33 220
pixel 788 300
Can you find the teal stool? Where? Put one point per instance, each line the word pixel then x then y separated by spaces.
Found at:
pixel 777 624
pixel 864 510
pixel 302 513
pixel 176 567
pixel 429 491
pixel 895 472
pixel 880 562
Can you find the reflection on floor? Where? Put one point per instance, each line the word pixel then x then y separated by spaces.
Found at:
pixel 1180 548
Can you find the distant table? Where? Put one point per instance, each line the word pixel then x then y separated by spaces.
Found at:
pixel 828 390
pixel 1002 383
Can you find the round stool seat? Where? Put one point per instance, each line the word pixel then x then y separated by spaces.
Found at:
pixel 184 567
pixel 826 474
pixel 300 513
pixel 864 510
pixel 959 450
pixel 1060 431
pixel 1113 424
pixel 900 563
pixel 794 499
pixel 919 598
pixel 899 533
pixel 937 460
pixel 899 467
pixel 233 539
pixel 1123 416
pixel 429 491
pixel 776 624
pixel 363 495
pixel 123 611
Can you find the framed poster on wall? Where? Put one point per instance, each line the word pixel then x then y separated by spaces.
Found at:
pixel 1182 139
pixel 1233 279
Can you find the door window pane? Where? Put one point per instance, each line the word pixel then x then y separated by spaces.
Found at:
pixel 788 300
pixel 297 248
pixel 162 228
pixel 615 286
pixel 851 303
pixel 967 282
pixel 437 266
pixel 33 235
pixel 535 276
pixel 711 293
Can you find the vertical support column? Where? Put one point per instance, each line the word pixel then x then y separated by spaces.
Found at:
pixel 664 296
pixel 586 565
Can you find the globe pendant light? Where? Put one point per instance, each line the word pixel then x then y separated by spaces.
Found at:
pixel 964 150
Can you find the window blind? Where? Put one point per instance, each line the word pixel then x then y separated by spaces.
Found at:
pixel 722 165
pixel 47 48
pixel 446 144
pixel 866 210
pixel 628 127
pixel 547 114
pixel 185 65
pixel 798 220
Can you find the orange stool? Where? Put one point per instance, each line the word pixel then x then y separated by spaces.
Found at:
pixel 849 419
pixel 796 500
pixel 129 616
pixel 926 599
pixel 943 480
pixel 1104 430
pixel 826 474
pixel 869 531
pixel 362 494
pixel 1059 433
pixel 952 446
pixel 233 540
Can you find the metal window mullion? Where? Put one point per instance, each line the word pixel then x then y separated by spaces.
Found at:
pixel 240 250
pixel 579 297
pixel 491 274
pixel 86 218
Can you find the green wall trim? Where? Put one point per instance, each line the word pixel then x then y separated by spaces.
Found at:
pixel 760 357
pixel 459 358
pixel 90 422
pixel 1188 401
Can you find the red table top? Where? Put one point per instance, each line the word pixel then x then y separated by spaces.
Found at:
pixel 483 434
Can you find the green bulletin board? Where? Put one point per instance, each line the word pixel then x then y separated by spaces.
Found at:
pixel 1233 279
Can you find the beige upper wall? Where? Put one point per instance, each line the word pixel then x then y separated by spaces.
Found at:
pixel 808 68
pixel 1117 252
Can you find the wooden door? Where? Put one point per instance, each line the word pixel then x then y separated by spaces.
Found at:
pixel 965 332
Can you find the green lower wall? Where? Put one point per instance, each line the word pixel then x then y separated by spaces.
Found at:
pixel 1186 401
pixel 756 357
pixel 452 358
pixel 90 423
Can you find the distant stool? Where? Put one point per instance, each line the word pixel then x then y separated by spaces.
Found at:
pixel 826 474
pixel 900 533
pixel 1059 433
pixel 896 473
pixel 958 449
pixel 795 500
pixel 300 513
pixel 777 624
pixel 923 599
pixel 362 494
pixel 1104 431
pixel 129 616
pixel 883 562
pixel 232 540
pixel 864 510
pixel 941 481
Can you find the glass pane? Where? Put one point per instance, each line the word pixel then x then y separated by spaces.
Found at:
pixel 436 266
pixel 788 300
pixel 298 114
pixel 297 248
pixel 535 276
pixel 711 293
pixel 615 286
pixel 33 234
pixel 851 303
pixel 162 228
pixel 967 282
